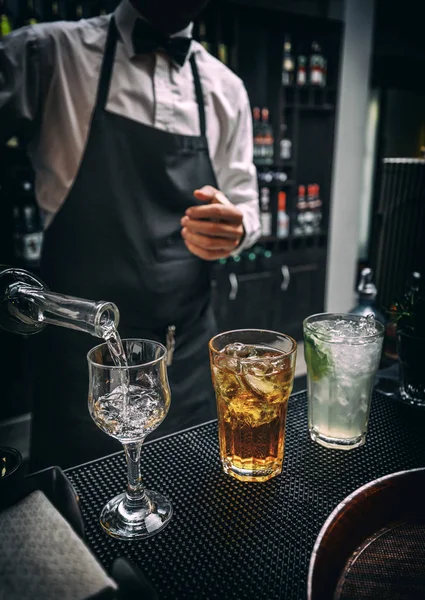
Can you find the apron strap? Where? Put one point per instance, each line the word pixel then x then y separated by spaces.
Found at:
pixel 107 63
pixel 199 95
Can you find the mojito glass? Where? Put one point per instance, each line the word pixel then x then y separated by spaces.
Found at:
pixel 253 373
pixel 342 352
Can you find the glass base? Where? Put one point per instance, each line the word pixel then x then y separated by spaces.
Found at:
pixel 142 524
pixel 412 399
pixel 337 443
pixel 250 474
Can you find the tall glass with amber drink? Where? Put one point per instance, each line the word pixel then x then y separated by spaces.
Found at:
pixel 253 373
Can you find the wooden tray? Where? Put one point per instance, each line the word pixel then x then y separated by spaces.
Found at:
pixel 373 544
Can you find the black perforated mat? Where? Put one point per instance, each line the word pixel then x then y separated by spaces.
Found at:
pixel 229 539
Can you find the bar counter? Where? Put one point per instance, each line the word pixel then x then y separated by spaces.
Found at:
pixel 236 540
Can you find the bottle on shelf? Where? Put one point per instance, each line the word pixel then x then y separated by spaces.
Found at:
pixel 203 40
pixel 265 177
pixel 282 217
pixel 257 133
pixel 265 212
pixel 279 176
pixel 309 212
pixel 285 146
pixel 288 65
pixel 317 64
pixel 5 19
pixel 27 14
pixel 27 222
pixel 300 212
pixel 75 10
pixel 223 52
pixel 267 138
pixel 51 11
pixel 100 9
pixel 263 137
pixel 317 209
pixel 27 306
pixel 301 70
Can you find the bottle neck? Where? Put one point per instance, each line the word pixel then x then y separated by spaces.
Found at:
pixel 39 306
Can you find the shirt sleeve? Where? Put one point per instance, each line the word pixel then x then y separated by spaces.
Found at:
pixel 237 178
pixel 25 69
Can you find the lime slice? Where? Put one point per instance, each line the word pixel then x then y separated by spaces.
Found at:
pixel 318 361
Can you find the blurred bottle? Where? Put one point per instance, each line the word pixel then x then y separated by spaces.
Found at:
pixel 5 19
pixel 317 211
pixel 75 10
pixel 263 137
pixel 410 342
pixel 265 212
pixel 288 66
pixel 267 137
pixel 27 222
pixel 366 297
pixel 317 65
pixel 300 212
pixel 223 52
pixel 257 133
pixel 27 14
pixel 100 8
pixel 203 36
pixel 285 145
pixel 51 11
pixel 282 217
pixel 301 70
pixel 309 211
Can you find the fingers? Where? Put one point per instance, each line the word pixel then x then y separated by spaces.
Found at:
pixel 206 254
pixel 208 193
pixel 210 243
pixel 216 229
pixel 220 212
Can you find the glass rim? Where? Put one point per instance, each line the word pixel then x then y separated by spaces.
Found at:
pixel 380 328
pixel 277 333
pixel 144 364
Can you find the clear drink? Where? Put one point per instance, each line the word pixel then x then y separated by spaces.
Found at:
pixel 253 373
pixel 342 352
pixel 129 396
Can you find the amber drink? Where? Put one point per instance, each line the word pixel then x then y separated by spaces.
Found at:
pixel 252 373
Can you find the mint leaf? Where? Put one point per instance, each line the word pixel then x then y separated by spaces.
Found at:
pixel 318 362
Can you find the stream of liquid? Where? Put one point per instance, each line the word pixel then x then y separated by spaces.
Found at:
pixel 113 339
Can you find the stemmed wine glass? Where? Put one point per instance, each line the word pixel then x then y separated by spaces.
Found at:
pixel 128 402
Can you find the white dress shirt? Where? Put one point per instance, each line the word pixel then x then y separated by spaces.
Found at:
pixel 48 80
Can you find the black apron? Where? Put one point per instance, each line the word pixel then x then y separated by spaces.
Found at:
pixel 118 238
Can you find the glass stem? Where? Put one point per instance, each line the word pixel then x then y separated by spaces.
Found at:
pixel 135 497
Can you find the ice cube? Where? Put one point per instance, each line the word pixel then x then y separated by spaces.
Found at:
pixel 259 368
pixel 362 322
pixel 240 350
pixel 146 380
pixel 228 363
pixel 342 395
pixel 258 380
pixel 371 325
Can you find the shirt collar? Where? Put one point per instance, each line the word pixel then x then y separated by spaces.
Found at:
pixel 125 17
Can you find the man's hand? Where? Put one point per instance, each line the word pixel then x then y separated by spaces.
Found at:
pixel 213 230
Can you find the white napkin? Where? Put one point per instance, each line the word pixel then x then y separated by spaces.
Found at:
pixel 42 558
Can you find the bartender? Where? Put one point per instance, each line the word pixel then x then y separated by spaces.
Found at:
pixel 141 142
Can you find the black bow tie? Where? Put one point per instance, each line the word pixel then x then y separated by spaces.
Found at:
pixel 146 39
